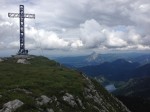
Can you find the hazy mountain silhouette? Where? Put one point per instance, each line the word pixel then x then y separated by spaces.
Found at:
pixel 116 70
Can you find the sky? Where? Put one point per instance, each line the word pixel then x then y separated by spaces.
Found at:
pixel 77 27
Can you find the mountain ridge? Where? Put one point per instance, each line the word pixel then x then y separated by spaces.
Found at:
pixel 97 58
pixel 119 69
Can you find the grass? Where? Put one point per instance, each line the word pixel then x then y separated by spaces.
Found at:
pixel 42 76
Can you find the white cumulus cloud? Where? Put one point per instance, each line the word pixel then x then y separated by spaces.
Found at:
pixel 78 25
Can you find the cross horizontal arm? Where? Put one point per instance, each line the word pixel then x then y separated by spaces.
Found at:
pixel 32 16
pixel 14 15
pixel 17 15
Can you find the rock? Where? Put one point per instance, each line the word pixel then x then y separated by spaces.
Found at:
pixel 96 108
pixel 60 110
pixel 11 106
pixel 69 99
pixel 80 103
pixel 43 100
pixel 1 60
pixel 0 96
pixel 54 98
pixel 91 93
pixel 57 104
pixel 49 110
pixel 23 61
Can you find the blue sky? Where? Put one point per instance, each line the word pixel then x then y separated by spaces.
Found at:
pixel 77 27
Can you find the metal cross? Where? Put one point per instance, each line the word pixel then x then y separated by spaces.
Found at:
pixel 22 15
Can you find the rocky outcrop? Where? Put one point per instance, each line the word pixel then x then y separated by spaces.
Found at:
pixel 91 93
pixel 11 106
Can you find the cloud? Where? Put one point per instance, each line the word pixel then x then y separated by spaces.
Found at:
pixel 77 44
pixel 78 25
pixel 46 39
pixel 94 35
pixel 8 32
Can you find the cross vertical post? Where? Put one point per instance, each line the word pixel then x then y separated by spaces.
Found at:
pixel 22 16
pixel 22 40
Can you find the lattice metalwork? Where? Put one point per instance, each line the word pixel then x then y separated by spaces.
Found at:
pixel 22 16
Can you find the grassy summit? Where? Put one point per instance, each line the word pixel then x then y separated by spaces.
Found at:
pixel 27 82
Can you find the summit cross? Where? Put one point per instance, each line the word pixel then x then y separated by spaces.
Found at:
pixel 22 16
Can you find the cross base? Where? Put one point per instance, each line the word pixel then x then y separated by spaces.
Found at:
pixel 23 52
pixel 21 15
pixel 23 56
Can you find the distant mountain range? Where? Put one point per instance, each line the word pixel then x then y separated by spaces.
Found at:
pixel 117 70
pixel 95 59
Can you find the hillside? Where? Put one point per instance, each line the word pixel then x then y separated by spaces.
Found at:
pixel 37 84
pixel 138 87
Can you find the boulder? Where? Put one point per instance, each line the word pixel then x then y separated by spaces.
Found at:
pixel 23 61
pixel 43 100
pixel 11 106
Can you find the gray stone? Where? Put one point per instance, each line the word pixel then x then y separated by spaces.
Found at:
pixel 60 110
pixel 0 96
pixel 5 110
pixel 57 104
pixel 50 110
pixel 95 107
pixel 43 100
pixel 80 103
pixel 23 61
pixel 1 60
pixel 54 98
pixel 69 99
pixel 11 106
